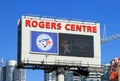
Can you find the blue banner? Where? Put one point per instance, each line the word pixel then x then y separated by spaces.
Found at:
pixel 44 42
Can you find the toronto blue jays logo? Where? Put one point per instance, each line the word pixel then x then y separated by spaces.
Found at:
pixel 44 42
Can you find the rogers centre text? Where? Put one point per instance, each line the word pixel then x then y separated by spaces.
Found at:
pixel 59 26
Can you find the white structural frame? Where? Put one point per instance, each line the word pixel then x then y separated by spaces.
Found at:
pixel 25 57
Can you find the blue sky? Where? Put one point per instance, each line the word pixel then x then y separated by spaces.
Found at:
pixel 103 11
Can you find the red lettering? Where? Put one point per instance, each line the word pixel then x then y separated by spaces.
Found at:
pixel 78 28
pixel 27 23
pixel 48 25
pixel 94 29
pixel 89 29
pixel 34 23
pixel 84 28
pixel 73 27
pixel 41 24
pixel 66 26
pixel 53 25
pixel 59 26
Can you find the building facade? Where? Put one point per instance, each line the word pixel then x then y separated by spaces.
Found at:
pixel 69 76
pixel 11 73
pixel 106 69
pixel 1 74
pixel 10 67
pixel 93 76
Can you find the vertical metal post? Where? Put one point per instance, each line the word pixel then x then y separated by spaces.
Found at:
pixel 60 74
pixel 45 75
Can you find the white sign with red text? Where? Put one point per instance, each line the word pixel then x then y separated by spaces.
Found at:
pixel 60 40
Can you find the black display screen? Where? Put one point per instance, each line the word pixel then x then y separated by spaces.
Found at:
pixel 76 45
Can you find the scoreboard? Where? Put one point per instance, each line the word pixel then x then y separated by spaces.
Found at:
pixel 77 45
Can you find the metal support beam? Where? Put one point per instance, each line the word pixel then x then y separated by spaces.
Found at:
pixel 60 74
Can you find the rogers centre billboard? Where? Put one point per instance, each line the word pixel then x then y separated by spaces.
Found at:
pixel 52 41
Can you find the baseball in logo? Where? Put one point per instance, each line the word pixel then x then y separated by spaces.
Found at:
pixel 44 42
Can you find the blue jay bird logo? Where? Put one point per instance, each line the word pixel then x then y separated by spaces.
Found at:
pixel 44 42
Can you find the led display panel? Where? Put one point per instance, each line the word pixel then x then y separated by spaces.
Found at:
pixel 76 45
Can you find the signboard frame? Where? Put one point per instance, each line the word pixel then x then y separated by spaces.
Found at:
pixel 25 57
